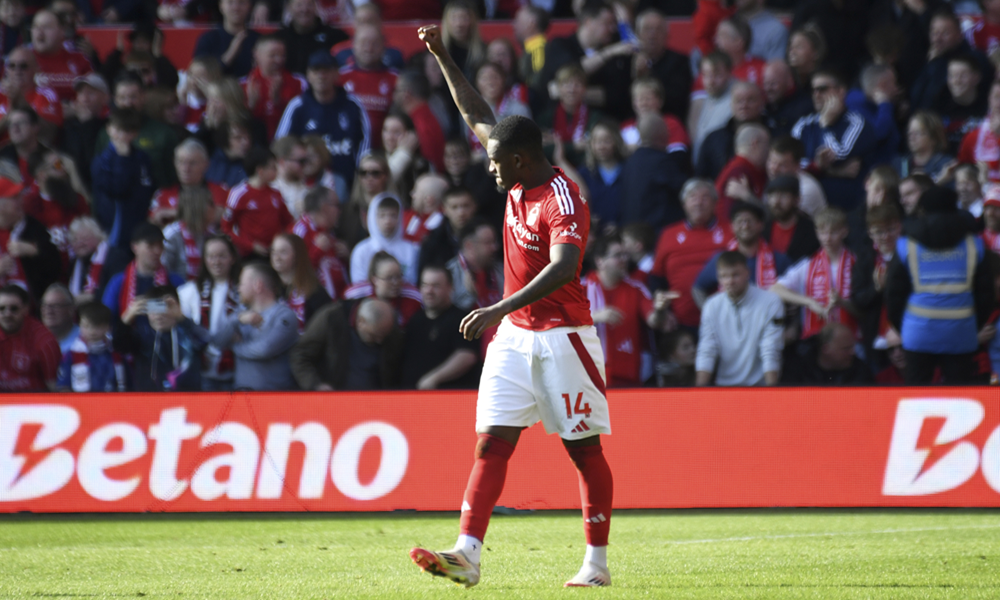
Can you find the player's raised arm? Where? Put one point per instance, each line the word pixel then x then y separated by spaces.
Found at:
pixel 476 112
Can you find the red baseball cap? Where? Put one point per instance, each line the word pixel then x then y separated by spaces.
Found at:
pixel 10 189
pixel 991 196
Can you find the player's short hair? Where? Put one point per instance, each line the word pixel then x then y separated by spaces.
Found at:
pixel 731 258
pixel 883 214
pixel 317 197
pixel 126 119
pixel 518 134
pixel 831 217
pixel 440 269
pixel 380 257
pixel 96 313
pixel 255 159
pixel 786 144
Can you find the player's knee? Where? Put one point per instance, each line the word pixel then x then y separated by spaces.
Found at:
pixel 482 446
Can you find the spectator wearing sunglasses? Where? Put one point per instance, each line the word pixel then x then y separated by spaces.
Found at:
pixel 19 87
pixel 29 353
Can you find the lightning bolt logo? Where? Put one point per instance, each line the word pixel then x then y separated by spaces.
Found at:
pixel 23 451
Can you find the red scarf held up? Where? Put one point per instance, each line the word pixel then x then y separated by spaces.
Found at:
pixel 96 266
pixel 192 253
pixel 766 273
pixel 818 286
pixel 227 362
pixel 297 302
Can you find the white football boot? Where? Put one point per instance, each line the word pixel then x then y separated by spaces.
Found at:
pixel 590 575
pixel 452 564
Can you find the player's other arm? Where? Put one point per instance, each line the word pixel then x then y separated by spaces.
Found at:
pixel 563 259
pixel 476 112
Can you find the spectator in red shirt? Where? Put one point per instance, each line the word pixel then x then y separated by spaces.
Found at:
pixel 368 79
pixel 622 309
pixel 255 212
pixel 57 66
pixel 684 248
pixel 316 227
pixel 790 230
pixel 747 167
pixel 411 94
pixel 19 87
pixel 191 163
pixel 269 86
pixel 424 214
pixel 29 353
pixel 55 200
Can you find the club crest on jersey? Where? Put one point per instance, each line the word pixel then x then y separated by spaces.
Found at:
pixel 349 86
pixel 717 236
pixel 343 120
pixel 533 216
pixel 681 237
pixel 383 87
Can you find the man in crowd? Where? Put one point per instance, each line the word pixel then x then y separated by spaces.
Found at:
pixel 740 338
pixel 255 212
pixel 58 67
pixel 868 280
pixel 962 105
pixel 411 94
pixel 785 104
pixel 328 110
pixel 270 86
pixel 27 255
pixel 232 42
pixel 623 309
pixel 143 273
pixel 19 88
pixel 85 122
pixel 435 353
pixel 530 24
pixel 29 353
pixel 939 290
pixel 747 167
pixel 875 102
pixel 24 148
pixel 654 59
pixel 790 231
pixel 122 175
pixel 305 34
pixel 290 182
pixel 55 199
pixel 769 34
pixel 385 282
pixel 424 214
pixel 946 42
pixel 441 243
pixel 332 355
pixel 91 252
pixel 714 109
pixel 477 277
pixel 262 336
pixel 191 164
pixel 828 359
pixel 165 345
pixel 684 248
pixel 371 82
pixel 652 178
pixel 59 315
pixel 321 211
pixel 719 146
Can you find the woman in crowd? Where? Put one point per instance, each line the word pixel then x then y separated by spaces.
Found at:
pixel 491 81
pixel 371 180
pixel 928 145
pixel 208 299
pixel 600 173
pixel 385 282
pixel 197 218
pixel 806 50
pixel 402 149
pixel 501 51
pixel 303 292
pixel 460 34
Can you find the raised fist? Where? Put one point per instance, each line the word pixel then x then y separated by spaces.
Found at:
pixel 431 35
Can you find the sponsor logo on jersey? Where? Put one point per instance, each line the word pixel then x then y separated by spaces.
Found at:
pixel 310 125
pixel 339 147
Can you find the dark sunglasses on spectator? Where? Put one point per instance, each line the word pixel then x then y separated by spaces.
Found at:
pixel 371 173
pixel 18 66
pixel 10 309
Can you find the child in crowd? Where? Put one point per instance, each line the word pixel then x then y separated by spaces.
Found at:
pixel 91 365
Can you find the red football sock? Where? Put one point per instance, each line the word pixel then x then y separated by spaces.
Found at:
pixel 485 484
pixel 596 492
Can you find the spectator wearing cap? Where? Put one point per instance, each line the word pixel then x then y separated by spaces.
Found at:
pixel 651 178
pixel 232 42
pixel 740 337
pixel 789 231
pixel 991 218
pixel 270 86
pixel 305 34
pixel 27 255
pixel 145 271
pixel 764 264
pixel 884 223
pixel 747 168
pixel 683 248
pixel 122 176
pixel 58 66
pixel 328 110
pixel 19 88
pixel 939 290
pixel 85 122
pixel 29 353
pixel 822 283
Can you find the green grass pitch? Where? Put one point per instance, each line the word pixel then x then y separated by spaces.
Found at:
pixel 653 554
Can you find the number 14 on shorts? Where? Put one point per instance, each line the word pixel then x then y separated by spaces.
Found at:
pixel 576 409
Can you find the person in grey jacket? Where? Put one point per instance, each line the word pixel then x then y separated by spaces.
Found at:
pixel 261 337
pixel 740 338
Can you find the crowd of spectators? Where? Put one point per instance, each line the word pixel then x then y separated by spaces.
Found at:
pixel 807 199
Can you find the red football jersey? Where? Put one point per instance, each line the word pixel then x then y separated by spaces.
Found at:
pixel 28 358
pixel 166 198
pixel 254 216
pixel 55 217
pixel 681 253
pixel 623 343
pixel 59 69
pixel 736 169
pixel 45 102
pixel 537 219
pixel 374 90
pixel 984 36
pixel 417 226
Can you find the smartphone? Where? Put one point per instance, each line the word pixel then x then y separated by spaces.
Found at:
pixel 155 307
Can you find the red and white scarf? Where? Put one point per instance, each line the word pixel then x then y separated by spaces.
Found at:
pixel 97 259
pixel 297 302
pixel 766 273
pixel 332 276
pixel 192 252
pixel 992 240
pixel 80 368
pixel 488 291
pixel 130 283
pixel 227 361
pixel 818 285
pixel 987 149
pixel 17 277
pixel 570 131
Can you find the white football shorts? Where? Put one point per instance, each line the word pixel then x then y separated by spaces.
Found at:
pixel 554 376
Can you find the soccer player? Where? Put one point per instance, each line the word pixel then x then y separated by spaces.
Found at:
pixel 545 362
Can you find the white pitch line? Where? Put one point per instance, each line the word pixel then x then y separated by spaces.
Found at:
pixel 828 534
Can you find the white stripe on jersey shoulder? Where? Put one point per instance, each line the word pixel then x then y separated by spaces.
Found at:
pixel 566 205
pixel 235 195
pixel 639 286
pixel 362 289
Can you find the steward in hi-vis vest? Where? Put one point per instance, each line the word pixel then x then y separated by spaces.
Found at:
pixel 939 290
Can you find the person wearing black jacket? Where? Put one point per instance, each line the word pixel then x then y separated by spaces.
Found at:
pixel 884 225
pixel 652 179
pixel 826 359
pixel 306 34
pixel 782 198
pixel 35 258
pixel 441 243
pixel 932 298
